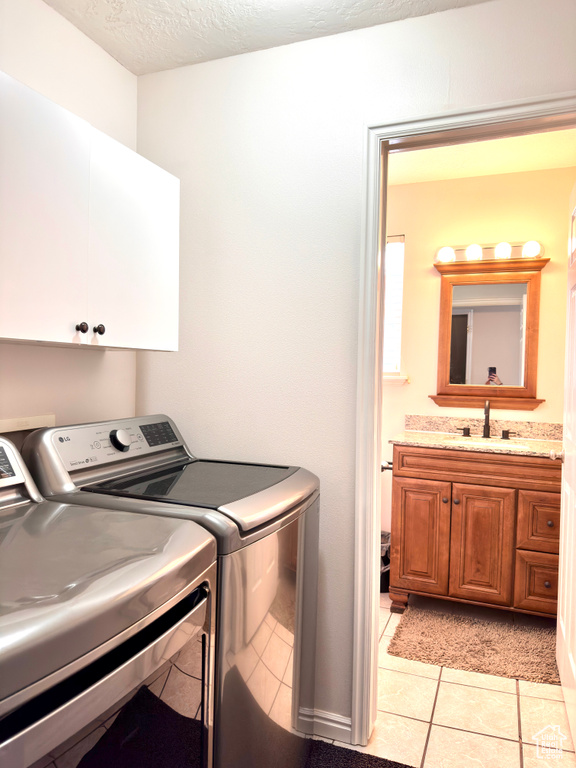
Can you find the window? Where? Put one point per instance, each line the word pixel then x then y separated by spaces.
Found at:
pixel 393 290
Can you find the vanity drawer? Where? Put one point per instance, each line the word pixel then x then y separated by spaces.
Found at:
pixel 536 582
pixel 531 473
pixel 538 521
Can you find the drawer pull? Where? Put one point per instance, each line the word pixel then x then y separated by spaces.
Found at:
pixel 456 501
pixel 550 524
pixel 444 500
pixel 547 584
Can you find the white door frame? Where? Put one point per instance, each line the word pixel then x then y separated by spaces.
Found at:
pixel 526 116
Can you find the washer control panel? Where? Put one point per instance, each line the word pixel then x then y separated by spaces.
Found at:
pixel 6 469
pixel 92 444
pixel 12 469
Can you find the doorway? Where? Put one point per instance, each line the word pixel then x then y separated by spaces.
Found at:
pixel 453 129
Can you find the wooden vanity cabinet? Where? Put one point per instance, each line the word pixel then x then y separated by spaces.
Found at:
pixel 475 527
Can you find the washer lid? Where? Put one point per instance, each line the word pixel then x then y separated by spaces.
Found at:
pixel 250 494
pixel 72 578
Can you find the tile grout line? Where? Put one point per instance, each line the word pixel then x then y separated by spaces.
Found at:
pixel 404 717
pixel 384 627
pixel 474 733
pixel 412 674
pixel 519 725
pixel 431 719
pixel 476 687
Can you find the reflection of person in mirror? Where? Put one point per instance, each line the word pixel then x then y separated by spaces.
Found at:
pixel 493 377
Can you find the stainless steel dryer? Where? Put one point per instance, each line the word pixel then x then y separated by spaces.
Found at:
pixel 265 520
pixel 106 633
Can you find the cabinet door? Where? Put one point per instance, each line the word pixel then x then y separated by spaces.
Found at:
pixel 482 543
pixel 133 249
pixel 44 186
pixel 420 538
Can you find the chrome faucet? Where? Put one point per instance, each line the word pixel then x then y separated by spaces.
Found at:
pixel 486 432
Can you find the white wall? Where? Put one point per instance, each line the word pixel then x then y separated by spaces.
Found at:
pixel 44 51
pixel 269 148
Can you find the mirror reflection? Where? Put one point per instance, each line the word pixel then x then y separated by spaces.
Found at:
pixel 488 340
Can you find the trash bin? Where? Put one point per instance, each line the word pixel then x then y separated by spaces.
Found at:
pixel 384 561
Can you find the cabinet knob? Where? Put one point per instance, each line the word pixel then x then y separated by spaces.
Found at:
pixel 557 455
pixel 456 501
pixel 100 329
pixel 444 500
pixel 82 327
pixel 550 524
pixel 547 584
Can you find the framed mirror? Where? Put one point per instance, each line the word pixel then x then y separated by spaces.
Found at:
pixel 488 341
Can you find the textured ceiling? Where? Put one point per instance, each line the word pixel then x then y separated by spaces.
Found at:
pixel 153 35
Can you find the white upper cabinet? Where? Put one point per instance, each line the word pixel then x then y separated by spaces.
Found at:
pixel 133 247
pixel 88 232
pixel 44 167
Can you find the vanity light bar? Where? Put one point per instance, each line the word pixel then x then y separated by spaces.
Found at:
pixel 529 250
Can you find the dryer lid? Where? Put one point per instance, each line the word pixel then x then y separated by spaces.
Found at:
pixel 73 577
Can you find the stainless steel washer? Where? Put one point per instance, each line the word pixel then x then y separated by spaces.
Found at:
pixel 265 521
pixel 106 633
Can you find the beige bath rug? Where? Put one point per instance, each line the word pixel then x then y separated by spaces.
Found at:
pixel 477 645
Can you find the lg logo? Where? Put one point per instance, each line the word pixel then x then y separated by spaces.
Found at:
pixel 64 439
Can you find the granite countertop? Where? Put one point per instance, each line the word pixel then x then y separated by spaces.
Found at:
pixel 451 441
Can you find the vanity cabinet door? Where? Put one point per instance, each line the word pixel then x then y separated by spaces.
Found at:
pixel 482 543
pixel 420 535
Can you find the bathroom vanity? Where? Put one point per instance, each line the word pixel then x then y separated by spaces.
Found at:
pixel 475 520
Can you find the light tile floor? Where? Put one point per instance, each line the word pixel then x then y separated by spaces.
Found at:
pixel 436 717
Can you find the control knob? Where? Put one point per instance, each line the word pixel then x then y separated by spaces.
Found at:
pixel 120 439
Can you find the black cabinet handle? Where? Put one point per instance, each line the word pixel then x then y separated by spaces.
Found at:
pixel 550 524
pixel 100 329
pixel 444 500
pixel 82 327
pixel 456 501
pixel 547 584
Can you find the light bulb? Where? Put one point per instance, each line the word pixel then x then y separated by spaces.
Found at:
pixel 474 252
pixel 503 251
pixel 531 249
pixel 446 254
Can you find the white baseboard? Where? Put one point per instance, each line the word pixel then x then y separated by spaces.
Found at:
pixel 329 725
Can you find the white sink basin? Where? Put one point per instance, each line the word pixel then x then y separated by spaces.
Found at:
pixel 486 442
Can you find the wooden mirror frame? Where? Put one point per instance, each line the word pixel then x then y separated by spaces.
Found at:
pixel 492 271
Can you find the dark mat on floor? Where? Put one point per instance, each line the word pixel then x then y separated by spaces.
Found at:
pixel 324 755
